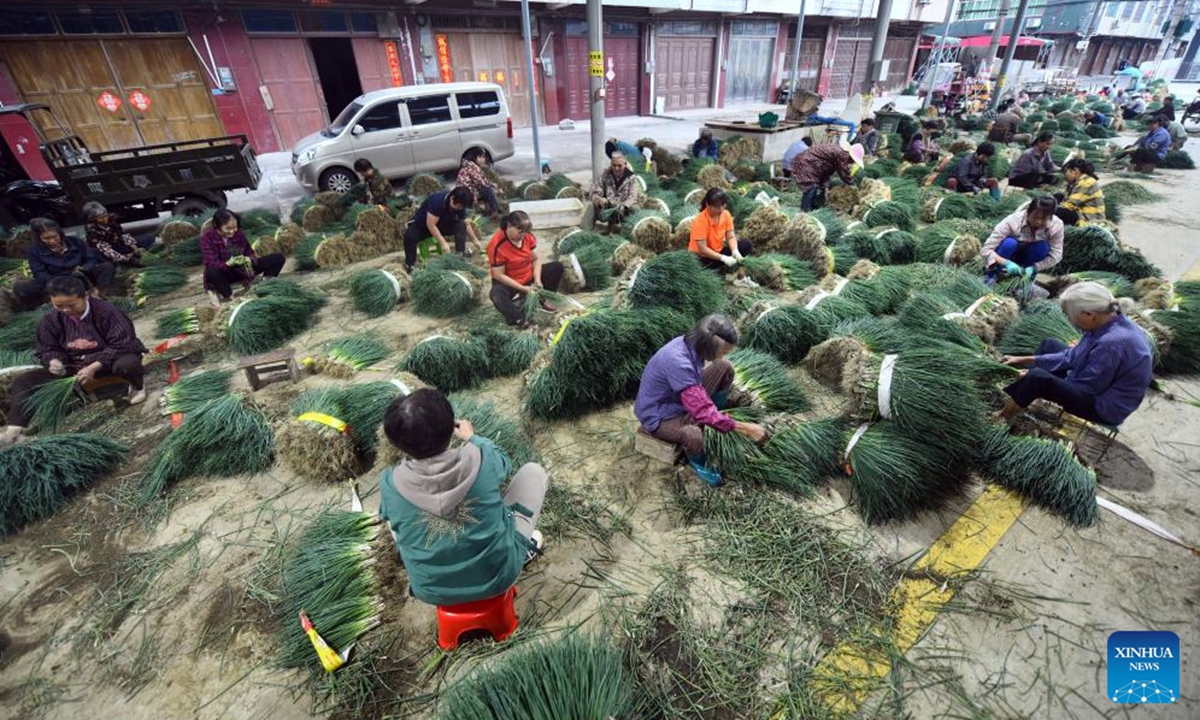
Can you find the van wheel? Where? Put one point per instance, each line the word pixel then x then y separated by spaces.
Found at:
pixel 193 207
pixel 338 179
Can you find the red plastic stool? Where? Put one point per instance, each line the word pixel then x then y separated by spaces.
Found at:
pixel 496 615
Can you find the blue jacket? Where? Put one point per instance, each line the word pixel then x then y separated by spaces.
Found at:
pixel 44 263
pixel 1111 363
pixel 1157 142
pixel 709 151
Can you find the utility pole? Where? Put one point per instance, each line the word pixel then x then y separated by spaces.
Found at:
pixel 532 85
pixel 933 61
pixel 882 19
pixel 994 46
pixel 595 18
pixel 1178 10
pixel 796 51
pixel 1009 52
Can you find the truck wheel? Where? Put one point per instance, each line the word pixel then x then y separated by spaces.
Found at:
pixel 193 207
pixel 338 179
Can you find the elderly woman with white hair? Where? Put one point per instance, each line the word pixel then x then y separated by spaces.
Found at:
pixel 109 239
pixel 1103 377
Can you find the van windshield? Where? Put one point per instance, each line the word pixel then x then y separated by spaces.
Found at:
pixel 343 119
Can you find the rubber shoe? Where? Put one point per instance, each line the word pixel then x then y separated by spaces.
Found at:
pixel 710 476
pixel 137 397
pixel 537 543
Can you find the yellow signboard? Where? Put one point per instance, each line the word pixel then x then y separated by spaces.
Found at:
pixel 596 64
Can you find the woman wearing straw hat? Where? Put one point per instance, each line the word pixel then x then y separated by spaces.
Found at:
pixel 813 169
pixel 679 393
pixel 1102 378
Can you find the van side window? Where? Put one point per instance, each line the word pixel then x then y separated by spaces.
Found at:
pixel 385 116
pixel 429 109
pixel 477 104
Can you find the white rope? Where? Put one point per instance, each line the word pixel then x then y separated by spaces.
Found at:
pixel 578 270
pixel 1143 522
pixel 18 368
pixel 841 284
pixel 564 237
pixel 394 280
pixel 937 206
pixel 765 313
pixel 464 279
pixel 858 433
pixel 949 251
pixel 977 304
pixel 816 300
pixel 638 224
pixel 402 387
pixel 637 269
pixel 434 337
pixel 885 231
pixel 954 315
pixel 236 310
pixel 885 385
pixel 821 227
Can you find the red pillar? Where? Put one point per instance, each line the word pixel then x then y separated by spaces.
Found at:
pixel 823 78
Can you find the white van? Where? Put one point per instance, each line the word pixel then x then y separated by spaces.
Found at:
pixel 405 131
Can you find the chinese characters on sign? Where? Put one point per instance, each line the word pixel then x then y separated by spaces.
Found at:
pixel 139 100
pixel 108 101
pixel 443 58
pixel 596 64
pixel 393 59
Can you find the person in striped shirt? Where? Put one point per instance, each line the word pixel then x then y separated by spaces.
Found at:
pixel 83 336
pixel 1083 201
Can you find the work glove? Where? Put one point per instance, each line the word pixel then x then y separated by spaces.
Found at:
pixel 729 260
pixel 1029 272
pixel 1012 268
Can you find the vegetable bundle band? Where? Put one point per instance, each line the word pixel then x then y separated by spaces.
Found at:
pixel 377 292
pixel 331 435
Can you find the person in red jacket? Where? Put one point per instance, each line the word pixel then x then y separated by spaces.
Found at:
pixel 228 257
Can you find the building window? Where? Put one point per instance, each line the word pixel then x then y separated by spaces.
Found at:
pixel 1141 12
pixel 153 21
pixel 1112 9
pixel 324 21
pixel 476 104
pixel 363 22
pixel 268 21
pixel 90 23
pixel 1127 11
pixel 754 27
pixel 618 29
pixel 25 22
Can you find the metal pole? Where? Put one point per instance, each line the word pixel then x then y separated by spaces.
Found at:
pixel 882 20
pixel 595 20
pixel 796 51
pixel 1009 52
pixel 933 55
pixel 532 85
pixel 994 45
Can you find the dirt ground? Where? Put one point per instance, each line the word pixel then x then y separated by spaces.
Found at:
pixel 165 612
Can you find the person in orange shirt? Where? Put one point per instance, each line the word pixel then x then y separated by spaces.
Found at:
pixel 517 268
pixel 713 239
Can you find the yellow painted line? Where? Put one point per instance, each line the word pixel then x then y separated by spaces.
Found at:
pixel 1193 272
pixel 849 672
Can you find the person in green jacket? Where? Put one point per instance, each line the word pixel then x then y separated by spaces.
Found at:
pixel 459 539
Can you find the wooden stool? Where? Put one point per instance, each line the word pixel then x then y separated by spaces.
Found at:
pixel 495 615
pixel 256 366
pixel 653 448
pixel 1074 429
pixel 109 387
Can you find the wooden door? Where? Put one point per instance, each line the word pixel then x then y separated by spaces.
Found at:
pixel 370 55
pixel 683 72
pixel 621 97
pixel 181 106
pixel 850 61
pixel 69 75
pixel 498 58
pixel 898 51
pixel 286 71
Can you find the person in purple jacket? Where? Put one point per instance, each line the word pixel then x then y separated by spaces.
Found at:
pixel 80 335
pixel 1102 378
pixel 678 393
pixel 228 258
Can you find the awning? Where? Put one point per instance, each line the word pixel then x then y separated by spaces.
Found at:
pixel 929 43
pixel 985 40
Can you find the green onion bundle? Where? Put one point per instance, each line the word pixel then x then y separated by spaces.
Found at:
pixel 20 332
pixel 779 272
pixel 507 352
pixel 905 191
pixel 991 211
pixel 1037 322
pixel 598 360
pixel 932 315
pixel 186 253
pixel 1177 160
pixel 328 575
pixel 785 331
pixel 561 186
pixel 882 291
pixel 447 363
pixel 587 269
pixel 443 293
pixel 220 438
pixel 423 184
pixel 1045 471
pixel 797 456
pixel 490 423
pixel 764 228
pixel 831 224
pixel 578 239
pixel 650 229
pixel 51 403
pixel 258 325
pixel 533 190
pixel 676 280
pixel 571 676
pixel 1117 284
pixel 378 292
pixel 894 475
pixel 889 213
pixel 1128 192
pixel 158 280
pixel 1184 355
pixel 947 207
pixel 306 252
pixel 174 232
pixel 887 246
pixel 365 404
pixel 192 391
pixel 942 244
pixel 184 321
pixel 805 236
pixel 38 477
pixel 317 442
pixel 345 356
pixel 762 380
pixel 828 310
